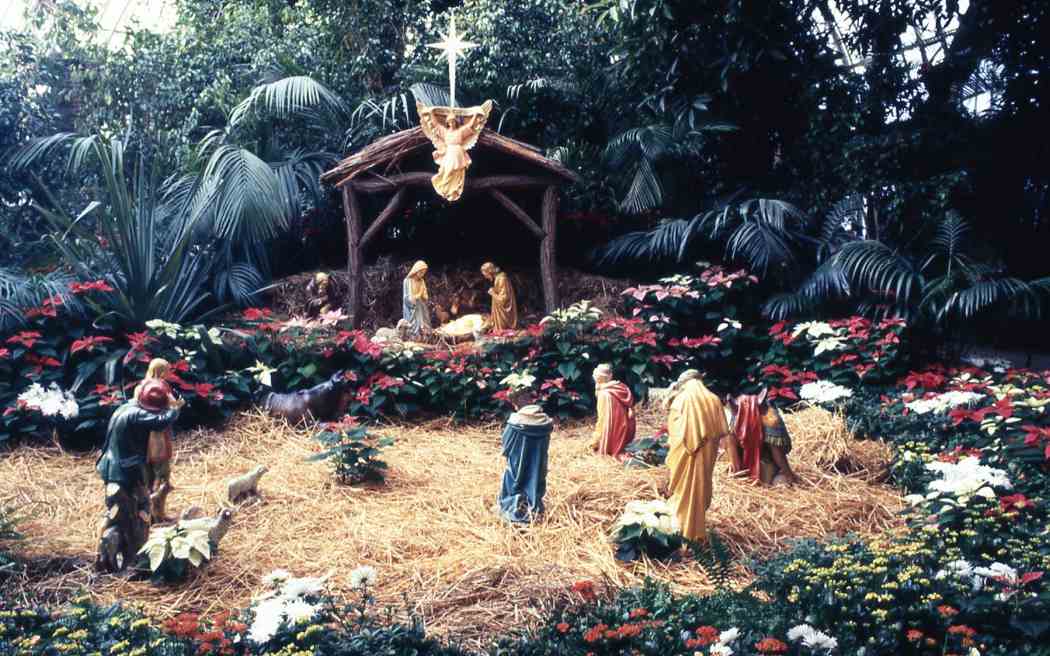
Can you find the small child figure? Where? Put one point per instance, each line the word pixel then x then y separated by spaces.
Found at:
pixel 160 451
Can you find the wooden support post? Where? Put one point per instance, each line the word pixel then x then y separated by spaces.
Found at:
pixel 388 213
pixel 548 264
pixel 517 212
pixel 352 211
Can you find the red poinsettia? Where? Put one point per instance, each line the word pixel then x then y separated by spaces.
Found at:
pixel 94 286
pixel 26 338
pixel 88 343
pixel 256 314
pixel 1015 502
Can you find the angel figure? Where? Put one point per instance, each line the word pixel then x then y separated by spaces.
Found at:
pixel 453 132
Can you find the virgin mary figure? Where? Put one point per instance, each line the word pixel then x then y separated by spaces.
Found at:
pixel 453 131
pixel 415 307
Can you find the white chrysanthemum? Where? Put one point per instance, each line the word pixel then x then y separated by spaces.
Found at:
pixel 293 588
pixel 299 611
pixel 267 620
pixel 276 577
pixel 966 478
pixel 960 568
pixel 365 575
pixel 822 391
pixel 1000 571
pixel 812 638
pixel 721 650
pixel 728 636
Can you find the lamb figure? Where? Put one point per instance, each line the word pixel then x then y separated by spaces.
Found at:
pixel 216 526
pixel 245 485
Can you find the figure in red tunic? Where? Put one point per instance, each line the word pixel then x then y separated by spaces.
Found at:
pixel 760 443
pixel 615 427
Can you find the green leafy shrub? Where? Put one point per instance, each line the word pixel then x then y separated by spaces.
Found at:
pixel 354 453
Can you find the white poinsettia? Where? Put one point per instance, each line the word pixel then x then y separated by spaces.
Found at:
pixel 177 542
pixel 729 323
pixel 263 373
pixel 823 391
pixel 50 402
pixel 828 344
pixel 518 381
pixel 966 478
pixel 654 515
pixel 814 329
pixel 942 403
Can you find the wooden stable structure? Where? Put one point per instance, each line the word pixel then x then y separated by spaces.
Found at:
pixel 398 163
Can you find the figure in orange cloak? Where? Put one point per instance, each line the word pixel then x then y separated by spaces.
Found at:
pixel 615 427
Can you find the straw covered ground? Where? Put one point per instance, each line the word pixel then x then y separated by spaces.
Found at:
pixel 430 530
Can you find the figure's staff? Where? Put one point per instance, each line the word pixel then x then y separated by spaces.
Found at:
pixel 453 45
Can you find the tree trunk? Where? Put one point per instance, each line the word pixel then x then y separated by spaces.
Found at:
pixel 352 211
pixel 548 264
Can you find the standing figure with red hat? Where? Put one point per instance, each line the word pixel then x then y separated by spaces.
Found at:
pixel 160 451
pixel 122 467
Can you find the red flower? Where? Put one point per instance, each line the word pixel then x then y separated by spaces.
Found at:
pixel 26 338
pixel 364 394
pixel 962 629
pixel 782 393
pixel 1015 502
pixel 256 314
pixel 89 343
pixel 4 352
pixel 771 646
pixel 707 635
pixel 639 612
pixel 914 635
pixel 383 381
pixel 1002 407
pixel 947 611
pixel 554 383
pixel 778 328
pixel 562 627
pixel 203 389
pixel 44 311
pixel 585 589
pixel 697 342
pixel 503 396
pixel 843 359
pixel 94 286
pixel 595 633
pixel 367 347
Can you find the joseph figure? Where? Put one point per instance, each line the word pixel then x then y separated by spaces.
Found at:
pixel 695 423
pixel 122 467
pixel 526 439
pixel 504 314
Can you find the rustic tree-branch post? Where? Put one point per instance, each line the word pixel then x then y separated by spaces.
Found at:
pixel 352 210
pixel 548 265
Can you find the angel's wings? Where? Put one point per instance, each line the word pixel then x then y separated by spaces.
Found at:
pixel 433 121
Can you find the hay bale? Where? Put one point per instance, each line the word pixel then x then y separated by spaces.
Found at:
pixel 430 531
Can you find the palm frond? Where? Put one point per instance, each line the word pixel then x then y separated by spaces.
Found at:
pixel 289 96
pixel 662 244
pixel 871 266
pixel 245 194
pixel 645 192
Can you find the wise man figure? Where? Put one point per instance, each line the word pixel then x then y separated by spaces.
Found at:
pixel 695 423
pixel 526 439
pixel 122 467
pixel 415 303
pixel 504 314
pixel 615 427
pixel 760 443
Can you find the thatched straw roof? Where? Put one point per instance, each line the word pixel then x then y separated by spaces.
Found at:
pixel 386 154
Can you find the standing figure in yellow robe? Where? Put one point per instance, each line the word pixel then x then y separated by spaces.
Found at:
pixel 453 131
pixel 695 423
pixel 504 308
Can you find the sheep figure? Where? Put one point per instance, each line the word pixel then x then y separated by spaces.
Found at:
pixel 245 485
pixel 216 526
pixel 321 402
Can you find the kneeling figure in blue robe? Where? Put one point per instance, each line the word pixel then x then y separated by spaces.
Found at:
pixel 526 439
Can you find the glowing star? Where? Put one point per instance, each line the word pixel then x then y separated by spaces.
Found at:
pixel 453 45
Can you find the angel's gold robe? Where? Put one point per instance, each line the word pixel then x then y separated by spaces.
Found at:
pixel 695 424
